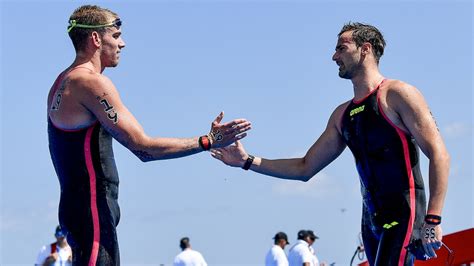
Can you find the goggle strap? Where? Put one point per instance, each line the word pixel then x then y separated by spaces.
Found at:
pixel 74 24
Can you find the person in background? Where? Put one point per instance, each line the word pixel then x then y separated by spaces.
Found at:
pixel 311 249
pixel 300 254
pixel 188 256
pixel 55 254
pixel 276 255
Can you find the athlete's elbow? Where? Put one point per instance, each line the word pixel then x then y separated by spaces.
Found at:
pixel 143 156
pixel 447 158
pixel 441 157
pixel 305 178
pixel 139 147
pixel 303 175
pixel 306 172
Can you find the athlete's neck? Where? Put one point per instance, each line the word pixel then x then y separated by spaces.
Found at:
pixel 88 61
pixel 365 83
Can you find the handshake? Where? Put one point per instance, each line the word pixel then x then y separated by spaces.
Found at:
pixel 220 139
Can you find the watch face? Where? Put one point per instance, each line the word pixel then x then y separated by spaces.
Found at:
pixel 248 162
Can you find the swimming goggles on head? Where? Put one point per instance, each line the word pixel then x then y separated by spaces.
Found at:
pixel 73 24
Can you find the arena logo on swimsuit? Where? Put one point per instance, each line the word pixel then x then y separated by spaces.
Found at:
pixel 357 110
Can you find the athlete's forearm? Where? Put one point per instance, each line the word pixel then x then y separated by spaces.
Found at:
pixel 166 148
pixel 148 148
pixel 291 169
pixel 327 148
pixel 438 182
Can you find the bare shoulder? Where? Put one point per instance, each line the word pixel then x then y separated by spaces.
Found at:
pixel 336 116
pixel 342 107
pixel 401 102
pixel 90 82
pixel 397 96
pixel 397 89
pixel 77 97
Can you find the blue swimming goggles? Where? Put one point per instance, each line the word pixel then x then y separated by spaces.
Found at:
pixel 73 24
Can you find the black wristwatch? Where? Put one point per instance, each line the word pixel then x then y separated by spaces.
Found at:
pixel 248 163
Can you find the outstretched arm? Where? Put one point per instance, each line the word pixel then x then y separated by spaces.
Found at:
pixel 102 99
pixel 328 147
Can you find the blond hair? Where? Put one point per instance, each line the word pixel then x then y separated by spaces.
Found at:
pixel 88 15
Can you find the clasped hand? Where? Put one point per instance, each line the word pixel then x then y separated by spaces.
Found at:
pixel 222 135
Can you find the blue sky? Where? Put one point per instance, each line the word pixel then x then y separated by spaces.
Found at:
pixel 267 61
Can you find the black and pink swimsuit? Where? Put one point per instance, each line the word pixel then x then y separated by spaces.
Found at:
pixel 88 208
pixel 387 160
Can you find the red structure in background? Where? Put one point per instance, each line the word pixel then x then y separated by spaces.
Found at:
pixel 462 245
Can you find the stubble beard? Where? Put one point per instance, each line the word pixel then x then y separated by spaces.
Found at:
pixel 345 74
pixel 349 72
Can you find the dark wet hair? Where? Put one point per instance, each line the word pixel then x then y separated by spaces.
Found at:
pixel 362 33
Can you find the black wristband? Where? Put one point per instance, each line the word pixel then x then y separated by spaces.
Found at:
pixel 248 163
pixel 433 219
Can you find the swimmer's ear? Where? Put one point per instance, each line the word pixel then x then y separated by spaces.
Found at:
pixel 95 36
